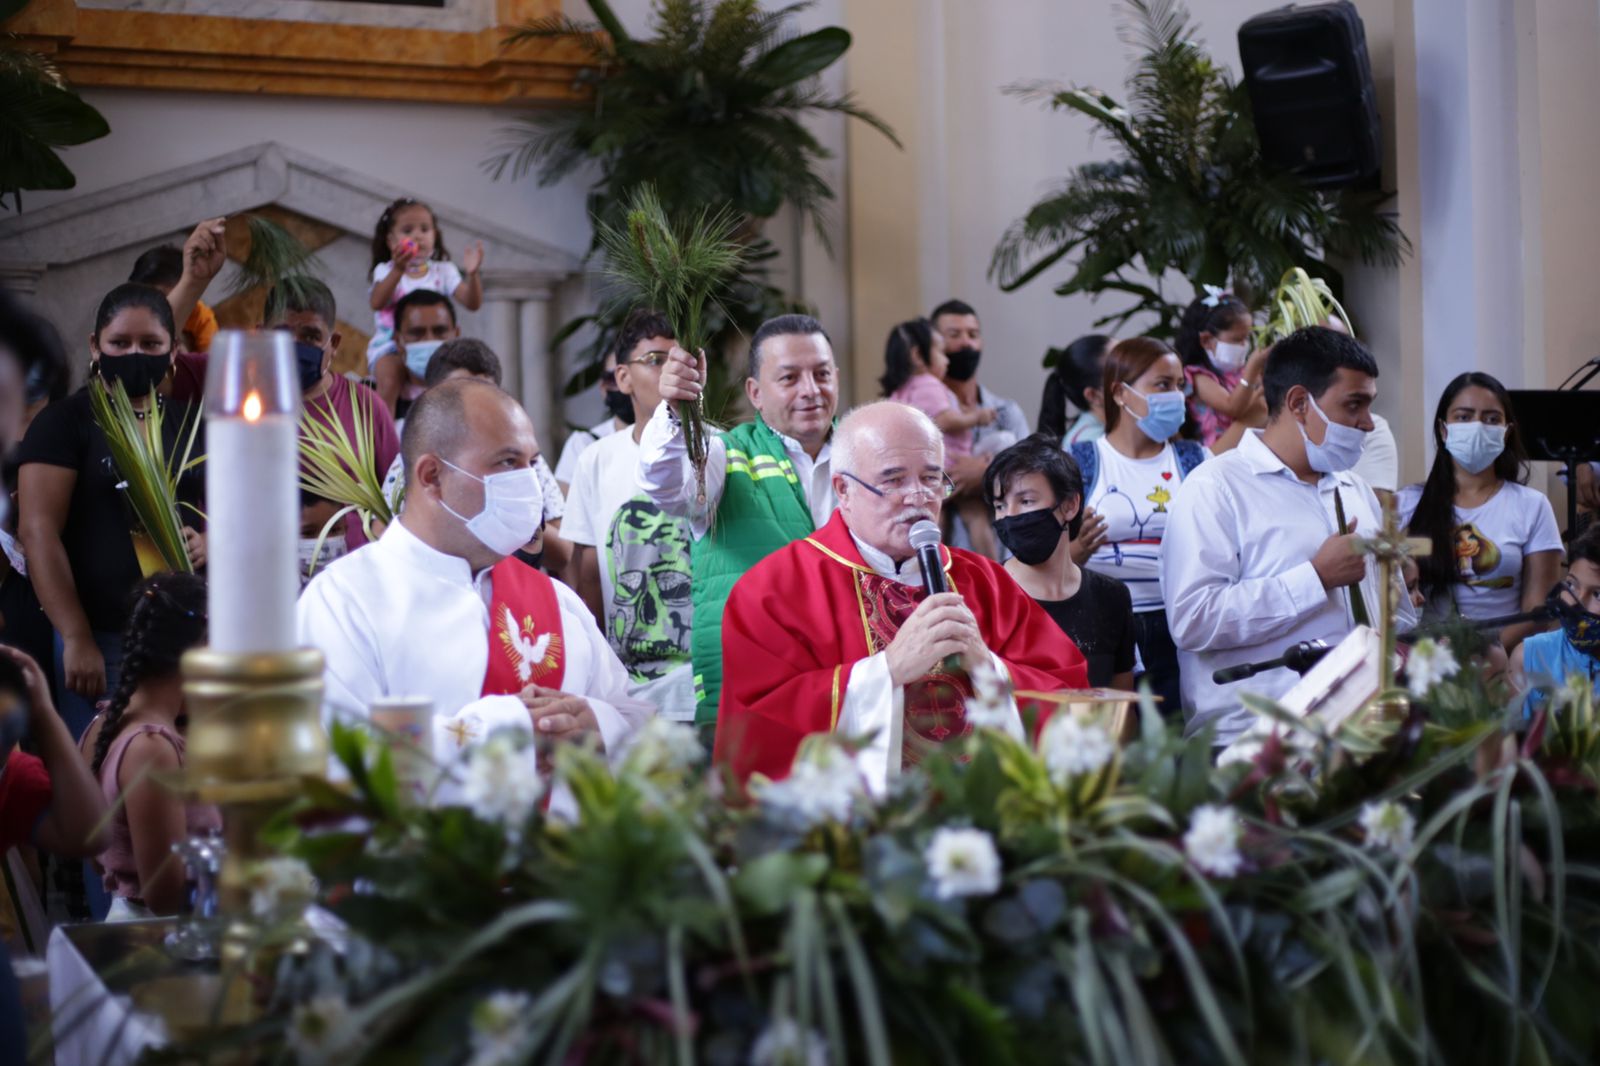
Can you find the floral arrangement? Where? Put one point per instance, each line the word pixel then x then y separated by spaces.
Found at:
pixel 1420 889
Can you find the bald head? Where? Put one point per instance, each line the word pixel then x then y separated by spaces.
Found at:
pixel 458 434
pixel 869 428
pixel 888 464
pixel 441 419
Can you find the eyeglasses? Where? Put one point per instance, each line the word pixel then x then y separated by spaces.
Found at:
pixel 651 359
pixel 938 485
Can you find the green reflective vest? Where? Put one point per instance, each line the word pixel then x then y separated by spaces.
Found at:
pixel 763 507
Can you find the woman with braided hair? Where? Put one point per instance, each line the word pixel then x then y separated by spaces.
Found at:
pixel 138 739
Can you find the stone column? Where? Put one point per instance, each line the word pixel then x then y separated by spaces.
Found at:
pixel 501 331
pixel 539 389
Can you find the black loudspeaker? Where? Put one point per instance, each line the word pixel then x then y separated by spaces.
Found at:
pixel 1310 84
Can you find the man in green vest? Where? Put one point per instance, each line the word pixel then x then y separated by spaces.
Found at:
pixel 768 481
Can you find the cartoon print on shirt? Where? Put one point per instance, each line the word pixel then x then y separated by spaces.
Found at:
pixel 1477 554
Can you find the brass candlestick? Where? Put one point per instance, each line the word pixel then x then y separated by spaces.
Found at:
pixel 255 732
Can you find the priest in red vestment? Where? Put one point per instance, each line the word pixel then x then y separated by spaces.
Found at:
pixel 836 633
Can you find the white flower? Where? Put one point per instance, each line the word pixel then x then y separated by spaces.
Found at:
pixel 280 887
pixel 1212 842
pixel 503 784
pixel 1573 692
pixel 1071 747
pixel 990 705
pixel 314 1028
pixel 664 745
pixel 823 786
pixel 963 862
pixel 499 1029
pixel 1430 662
pixel 783 1043
pixel 1388 825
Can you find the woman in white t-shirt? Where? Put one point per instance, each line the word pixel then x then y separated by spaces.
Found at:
pixel 1134 473
pixel 1496 549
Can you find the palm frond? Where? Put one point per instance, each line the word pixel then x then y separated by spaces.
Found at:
pixel 276 260
pixel 1190 190
pixel 149 475
pixel 343 468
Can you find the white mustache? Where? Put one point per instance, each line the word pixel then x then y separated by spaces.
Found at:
pixel 915 515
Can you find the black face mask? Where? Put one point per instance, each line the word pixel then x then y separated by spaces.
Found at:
pixel 533 559
pixel 1031 537
pixel 139 374
pixel 308 361
pixel 963 363
pixel 620 406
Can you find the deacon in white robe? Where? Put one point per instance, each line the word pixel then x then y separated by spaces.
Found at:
pixel 436 609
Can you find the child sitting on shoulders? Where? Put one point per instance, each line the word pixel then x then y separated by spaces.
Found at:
pixel 408 254
pixel 1223 375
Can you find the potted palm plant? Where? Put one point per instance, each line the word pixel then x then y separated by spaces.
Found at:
pixel 710 109
pixel 38 114
pixel 1187 193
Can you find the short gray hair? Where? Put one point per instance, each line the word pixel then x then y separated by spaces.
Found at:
pixel 862 419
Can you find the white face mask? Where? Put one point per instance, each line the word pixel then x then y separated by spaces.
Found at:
pixel 1340 448
pixel 1230 356
pixel 1475 445
pixel 513 508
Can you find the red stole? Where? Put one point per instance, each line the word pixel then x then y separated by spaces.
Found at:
pixel 525 645
pixel 935 708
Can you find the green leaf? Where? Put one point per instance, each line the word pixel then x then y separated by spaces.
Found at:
pixel 768 883
pixel 801 57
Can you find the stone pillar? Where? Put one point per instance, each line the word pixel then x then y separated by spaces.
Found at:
pixel 539 389
pixel 500 299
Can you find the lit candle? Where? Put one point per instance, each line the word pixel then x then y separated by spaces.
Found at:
pixel 252 491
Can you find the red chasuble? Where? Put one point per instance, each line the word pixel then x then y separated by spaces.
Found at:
pixel 798 622
pixel 525 646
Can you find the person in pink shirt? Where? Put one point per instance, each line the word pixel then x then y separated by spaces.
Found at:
pixel 914 365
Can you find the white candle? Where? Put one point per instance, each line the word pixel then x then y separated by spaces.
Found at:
pixel 252 492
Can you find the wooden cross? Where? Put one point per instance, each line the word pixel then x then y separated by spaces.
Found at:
pixel 1391 547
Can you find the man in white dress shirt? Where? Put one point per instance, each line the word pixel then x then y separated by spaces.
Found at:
pixel 1253 561
pixel 768 481
pixel 439 608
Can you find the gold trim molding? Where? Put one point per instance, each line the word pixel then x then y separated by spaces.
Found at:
pixel 100 48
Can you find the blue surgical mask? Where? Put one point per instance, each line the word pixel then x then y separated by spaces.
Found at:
pixel 1166 412
pixel 418 354
pixel 1340 448
pixel 1475 445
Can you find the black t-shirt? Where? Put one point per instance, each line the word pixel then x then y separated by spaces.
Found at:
pixel 99 519
pixel 1099 619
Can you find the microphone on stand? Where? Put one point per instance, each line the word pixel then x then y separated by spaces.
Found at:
pixel 925 542
pixel 1297 657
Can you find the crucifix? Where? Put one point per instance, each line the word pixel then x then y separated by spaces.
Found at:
pixel 1390 547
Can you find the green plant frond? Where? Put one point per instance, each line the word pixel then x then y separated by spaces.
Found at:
pixel 149 476
pixel 549 27
pixel 276 258
pixel 341 467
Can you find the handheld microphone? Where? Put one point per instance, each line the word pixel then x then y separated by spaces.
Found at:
pixel 925 541
pixel 1297 657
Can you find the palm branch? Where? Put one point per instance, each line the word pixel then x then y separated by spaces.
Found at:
pixel 1188 191
pixel 679 268
pixel 149 475
pixel 276 261
pixel 1300 300
pixel 343 468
